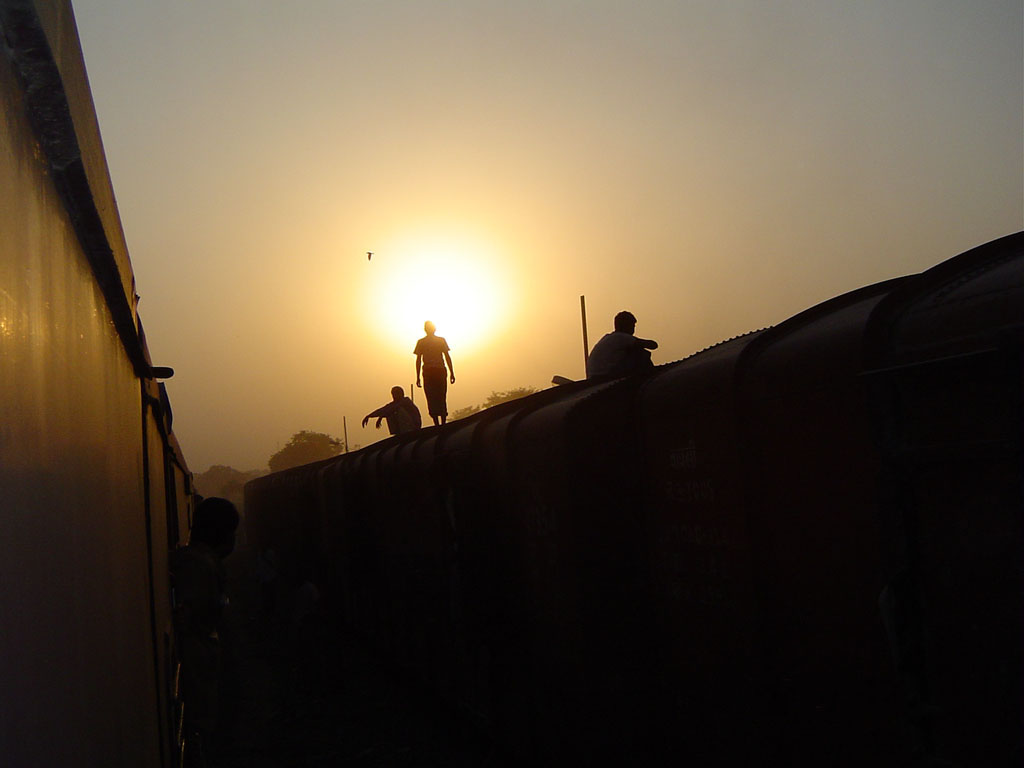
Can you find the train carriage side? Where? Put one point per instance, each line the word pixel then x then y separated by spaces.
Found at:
pixel 500 597
pixel 445 516
pixel 420 551
pixel 180 504
pixel 90 474
pixel 390 498
pixel 574 485
pixel 473 546
pixel 353 592
pixel 336 492
pixel 464 506
pixel 811 474
pixel 162 539
pixel 944 364
pixel 697 547
pixel 284 514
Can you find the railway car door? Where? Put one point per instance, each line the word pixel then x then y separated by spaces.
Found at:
pixel 158 545
pixel 952 450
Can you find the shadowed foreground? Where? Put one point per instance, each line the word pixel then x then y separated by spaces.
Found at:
pixel 307 693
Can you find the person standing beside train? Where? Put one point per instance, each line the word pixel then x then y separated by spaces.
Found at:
pixel 620 353
pixel 431 354
pixel 200 601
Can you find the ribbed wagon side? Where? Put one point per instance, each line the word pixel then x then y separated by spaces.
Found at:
pixel 945 366
pixel 812 475
pixel 708 695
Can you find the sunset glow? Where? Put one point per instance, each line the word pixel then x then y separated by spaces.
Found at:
pixel 456 285
pixel 712 167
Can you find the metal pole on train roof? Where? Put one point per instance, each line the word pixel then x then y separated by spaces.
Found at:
pixel 586 344
pixel 344 426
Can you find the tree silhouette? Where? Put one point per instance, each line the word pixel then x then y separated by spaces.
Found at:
pixel 461 413
pixel 509 394
pixel 492 399
pixel 303 448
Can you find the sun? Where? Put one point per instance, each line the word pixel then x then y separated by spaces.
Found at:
pixel 457 285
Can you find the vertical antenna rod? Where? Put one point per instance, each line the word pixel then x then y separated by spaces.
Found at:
pixel 586 343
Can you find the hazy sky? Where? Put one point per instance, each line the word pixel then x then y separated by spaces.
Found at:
pixel 713 165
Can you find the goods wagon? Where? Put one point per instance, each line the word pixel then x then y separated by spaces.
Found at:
pixel 799 546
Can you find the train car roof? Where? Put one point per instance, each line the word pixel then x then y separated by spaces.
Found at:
pixel 957 306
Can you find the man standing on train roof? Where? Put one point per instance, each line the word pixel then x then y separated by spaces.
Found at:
pixel 431 353
pixel 620 353
pixel 401 413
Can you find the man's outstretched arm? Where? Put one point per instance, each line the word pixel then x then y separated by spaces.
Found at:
pixel 380 413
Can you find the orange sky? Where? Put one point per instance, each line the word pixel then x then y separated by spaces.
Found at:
pixel 714 167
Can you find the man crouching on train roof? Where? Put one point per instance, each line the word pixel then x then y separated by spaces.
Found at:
pixel 199 583
pixel 620 353
pixel 401 413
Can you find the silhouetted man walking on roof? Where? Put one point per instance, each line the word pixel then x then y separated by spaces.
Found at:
pixel 431 354
pixel 620 353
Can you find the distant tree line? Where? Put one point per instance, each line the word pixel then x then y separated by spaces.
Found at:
pixel 492 399
pixel 306 446
pixel 302 448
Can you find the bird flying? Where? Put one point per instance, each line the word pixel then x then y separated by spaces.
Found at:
pixel 369 255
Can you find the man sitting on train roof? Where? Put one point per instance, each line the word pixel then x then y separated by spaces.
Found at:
pixel 620 353
pixel 401 413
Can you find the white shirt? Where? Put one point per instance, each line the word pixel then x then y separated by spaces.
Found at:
pixel 611 355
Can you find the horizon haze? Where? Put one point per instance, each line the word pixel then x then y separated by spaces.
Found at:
pixel 713 167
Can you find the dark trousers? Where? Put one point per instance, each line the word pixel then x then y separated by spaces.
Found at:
pixel 435 387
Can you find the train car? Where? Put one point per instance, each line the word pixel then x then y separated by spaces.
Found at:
pixel 94 487
pixel 799 546
pixel 944 364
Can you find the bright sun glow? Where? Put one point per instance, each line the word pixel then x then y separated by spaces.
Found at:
pixel 456 285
